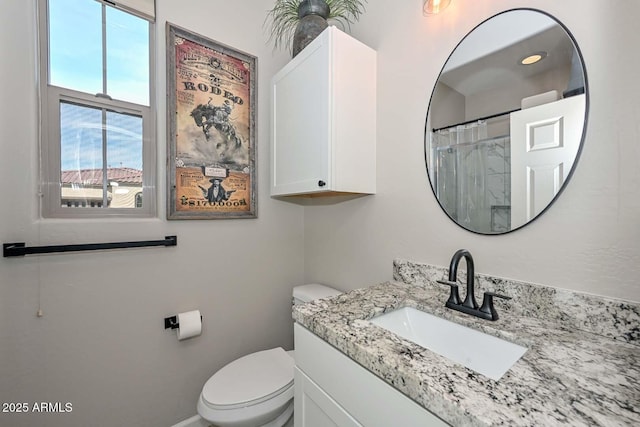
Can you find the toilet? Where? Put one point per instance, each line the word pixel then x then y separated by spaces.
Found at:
pixel 256 390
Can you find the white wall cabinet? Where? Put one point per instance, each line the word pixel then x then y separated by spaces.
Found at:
pixel 323 119
pixel 333 390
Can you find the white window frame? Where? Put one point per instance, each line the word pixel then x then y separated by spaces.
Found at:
pixel 50 169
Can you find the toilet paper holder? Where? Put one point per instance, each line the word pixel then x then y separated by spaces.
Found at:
pixel 172 322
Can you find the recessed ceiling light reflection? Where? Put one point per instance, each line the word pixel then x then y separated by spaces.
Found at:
pixel 533 58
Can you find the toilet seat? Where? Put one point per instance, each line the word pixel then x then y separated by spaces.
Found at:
pixel 249 403
pixel 250 380
pixel 251 390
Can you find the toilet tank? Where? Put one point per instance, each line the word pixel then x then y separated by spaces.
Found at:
pixel 313 291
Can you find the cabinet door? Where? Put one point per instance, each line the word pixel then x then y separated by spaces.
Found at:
pixel 301 123
pixel 314 407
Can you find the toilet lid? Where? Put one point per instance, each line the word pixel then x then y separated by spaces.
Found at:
pixel 249 379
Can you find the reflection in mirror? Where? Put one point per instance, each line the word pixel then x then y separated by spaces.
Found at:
pixel 506 121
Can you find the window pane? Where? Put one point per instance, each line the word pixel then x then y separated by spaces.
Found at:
pixel 80 137
pixel 124 158
pixel 127 57
pixel 81 156
pixel 75 45
pixel 83 160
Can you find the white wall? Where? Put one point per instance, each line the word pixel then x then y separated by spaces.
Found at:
pixel 589 240
pixel 101 344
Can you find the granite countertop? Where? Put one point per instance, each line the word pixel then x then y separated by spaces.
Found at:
pixel 567 376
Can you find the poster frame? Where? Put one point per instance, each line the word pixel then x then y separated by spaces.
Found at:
pixel 191 207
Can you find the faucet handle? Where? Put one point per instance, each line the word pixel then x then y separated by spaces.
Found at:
pixel 487 304
pixel 454 296
pixel 493 294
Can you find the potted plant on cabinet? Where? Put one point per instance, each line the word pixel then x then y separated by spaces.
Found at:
pixel 295 23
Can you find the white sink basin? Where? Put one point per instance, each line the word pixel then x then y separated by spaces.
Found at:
pixel 483 353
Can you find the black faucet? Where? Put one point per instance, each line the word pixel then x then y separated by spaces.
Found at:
pixel 469 305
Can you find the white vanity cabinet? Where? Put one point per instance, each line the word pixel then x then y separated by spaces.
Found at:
pixel 333 390
pixel 323 119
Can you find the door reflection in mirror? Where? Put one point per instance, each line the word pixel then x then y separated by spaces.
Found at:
pixel 502 138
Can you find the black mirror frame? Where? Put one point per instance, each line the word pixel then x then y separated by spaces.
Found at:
pixel 582 137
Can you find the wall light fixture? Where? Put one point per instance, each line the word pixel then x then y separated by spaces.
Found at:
pixel 432 7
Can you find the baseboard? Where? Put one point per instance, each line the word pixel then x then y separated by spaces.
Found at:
pixel 195 421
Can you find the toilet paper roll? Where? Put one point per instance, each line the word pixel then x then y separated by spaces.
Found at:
pixel 190 324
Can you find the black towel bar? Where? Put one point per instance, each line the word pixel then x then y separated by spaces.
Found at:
pixel 19 249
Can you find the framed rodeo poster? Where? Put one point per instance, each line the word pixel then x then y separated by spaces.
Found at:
pixel 211 142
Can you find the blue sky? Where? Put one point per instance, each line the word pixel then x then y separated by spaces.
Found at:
pixel 76 63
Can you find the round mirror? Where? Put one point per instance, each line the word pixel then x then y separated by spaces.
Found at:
pixel 506 121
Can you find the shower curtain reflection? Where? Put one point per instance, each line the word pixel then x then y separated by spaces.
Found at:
pixel 472 176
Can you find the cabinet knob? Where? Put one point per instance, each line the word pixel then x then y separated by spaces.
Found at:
pixel 321 183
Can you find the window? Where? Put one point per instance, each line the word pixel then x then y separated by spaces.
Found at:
pixel 98 142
